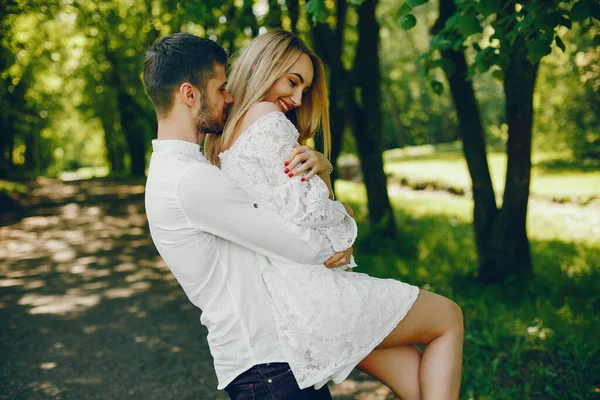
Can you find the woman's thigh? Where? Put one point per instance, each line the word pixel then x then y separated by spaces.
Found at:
pixel 430 317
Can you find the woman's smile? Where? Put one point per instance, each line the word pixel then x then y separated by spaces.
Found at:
pixel 283 105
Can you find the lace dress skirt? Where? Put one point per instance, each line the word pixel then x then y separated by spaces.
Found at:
pixel 328 320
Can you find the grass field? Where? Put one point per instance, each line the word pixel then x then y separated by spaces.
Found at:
pixel 524 340
pixel 553 176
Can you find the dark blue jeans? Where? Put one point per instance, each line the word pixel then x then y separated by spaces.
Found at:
pixel 273 381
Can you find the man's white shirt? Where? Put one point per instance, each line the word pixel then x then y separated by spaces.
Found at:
pixel 208 231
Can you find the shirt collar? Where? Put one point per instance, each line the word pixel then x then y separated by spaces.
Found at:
pixel 179 147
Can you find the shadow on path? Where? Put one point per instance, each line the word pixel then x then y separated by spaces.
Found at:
pixel 90 311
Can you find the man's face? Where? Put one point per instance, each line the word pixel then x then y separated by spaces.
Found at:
pixel 214 104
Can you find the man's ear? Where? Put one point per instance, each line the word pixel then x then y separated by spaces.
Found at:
pixel 188 94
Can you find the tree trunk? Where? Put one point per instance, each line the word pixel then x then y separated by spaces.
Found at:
pixel 500 235
pixel 135 132
pixel 473 139
pixel 114 142
pixel 400 134
pixel 367 119
pixel 274 15
pixel 4 139
pixel 293 8
pixel 510 232
pixel 328 45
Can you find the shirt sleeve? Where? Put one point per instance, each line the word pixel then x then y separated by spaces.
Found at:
pixel 216 204
pixel 302 202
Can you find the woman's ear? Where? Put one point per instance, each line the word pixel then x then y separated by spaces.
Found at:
pixel 188 94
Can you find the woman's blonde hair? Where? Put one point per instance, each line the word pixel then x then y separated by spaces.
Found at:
pixel 266 59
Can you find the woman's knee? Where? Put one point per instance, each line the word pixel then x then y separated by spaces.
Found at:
pixel 456 319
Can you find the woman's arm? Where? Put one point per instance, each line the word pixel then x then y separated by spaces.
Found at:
pixel 297 199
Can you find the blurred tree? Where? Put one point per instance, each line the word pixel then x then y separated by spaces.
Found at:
pixel 357 94
pixel 521 34
pixel 27 52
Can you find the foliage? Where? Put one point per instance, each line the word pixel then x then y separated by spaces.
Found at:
pixel 492 28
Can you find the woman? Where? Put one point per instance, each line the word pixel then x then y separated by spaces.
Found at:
pixel 329 321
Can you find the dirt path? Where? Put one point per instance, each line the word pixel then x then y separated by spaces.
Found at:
pixel 88 310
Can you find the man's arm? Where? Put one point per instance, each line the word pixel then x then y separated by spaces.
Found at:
pixel 216 204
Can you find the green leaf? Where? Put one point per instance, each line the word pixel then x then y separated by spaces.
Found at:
pixel 314 5
pixel 498 74
pixel 440 42
pixel 416 3
pixel 437 86
pixel 539 48
pixel 458 44
pixel 320 16
pixel 407 21
pixel 487 7
pixel 357 2
pixel 446 65
pixel 469 25
pixel 548 21
pixel 564 21
pixel 487 58
pixel 580 11
pixel 560 43
pixel 404 9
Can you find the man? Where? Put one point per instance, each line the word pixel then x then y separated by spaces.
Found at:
pixel 208 230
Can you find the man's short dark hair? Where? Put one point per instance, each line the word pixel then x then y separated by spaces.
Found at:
pixel 175 59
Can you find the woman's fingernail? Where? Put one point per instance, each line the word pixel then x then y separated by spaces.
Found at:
pixel 302 180
pixel 286 163
pixel 286 170
pixel 290 174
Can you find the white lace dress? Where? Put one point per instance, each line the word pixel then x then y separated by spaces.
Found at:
pixel 328 320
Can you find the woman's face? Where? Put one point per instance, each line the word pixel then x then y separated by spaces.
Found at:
pixel 287 91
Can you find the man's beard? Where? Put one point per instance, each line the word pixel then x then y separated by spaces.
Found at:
pixel 206 122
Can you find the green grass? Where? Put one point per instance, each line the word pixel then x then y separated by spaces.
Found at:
pixel 13 187
pixel 553 176
pixel 534 339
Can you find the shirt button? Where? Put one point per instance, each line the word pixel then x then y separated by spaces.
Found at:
pixel 255 205
pixel 270 380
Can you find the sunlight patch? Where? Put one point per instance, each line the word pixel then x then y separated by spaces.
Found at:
pixel 58 304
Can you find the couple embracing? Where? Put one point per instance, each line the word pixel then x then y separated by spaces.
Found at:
pixel 249 228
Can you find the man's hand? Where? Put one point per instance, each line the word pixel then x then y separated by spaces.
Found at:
pixel 338 259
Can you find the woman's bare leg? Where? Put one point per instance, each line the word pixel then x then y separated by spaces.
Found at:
pixel 397 368
pixel 437 322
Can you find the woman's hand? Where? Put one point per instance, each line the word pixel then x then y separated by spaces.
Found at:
pixel 304 158
pixel 339 259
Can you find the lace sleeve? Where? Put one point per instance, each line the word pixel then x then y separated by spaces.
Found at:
pixel 304 202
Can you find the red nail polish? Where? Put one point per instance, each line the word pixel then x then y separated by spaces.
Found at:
pixel 290 174
pixel 286 163
pixel 286 170
pixel 302 180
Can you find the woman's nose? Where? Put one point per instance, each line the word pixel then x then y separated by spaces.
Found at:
pixel 297 100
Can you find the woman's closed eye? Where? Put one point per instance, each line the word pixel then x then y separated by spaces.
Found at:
pixel 293 83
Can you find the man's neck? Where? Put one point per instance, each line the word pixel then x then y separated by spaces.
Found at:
pixel 173 129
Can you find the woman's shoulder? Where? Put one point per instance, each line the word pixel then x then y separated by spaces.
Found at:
pixel 262 114
pixel 263 110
